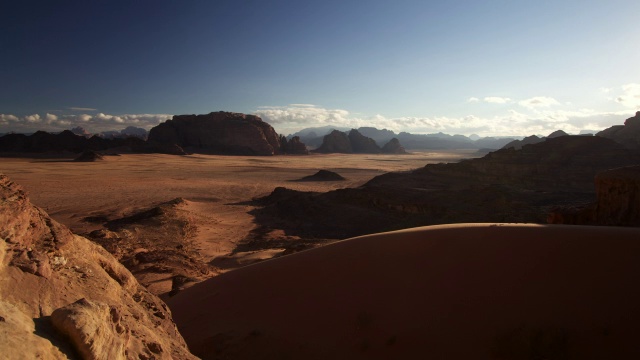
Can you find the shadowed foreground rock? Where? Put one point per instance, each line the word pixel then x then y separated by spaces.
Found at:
pixel 52 279
pixel 617 204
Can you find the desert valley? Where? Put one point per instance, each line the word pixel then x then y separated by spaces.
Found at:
pixel 258 248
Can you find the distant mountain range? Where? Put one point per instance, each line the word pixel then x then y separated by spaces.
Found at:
pixel 313 137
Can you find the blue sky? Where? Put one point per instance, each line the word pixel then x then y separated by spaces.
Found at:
pixel 486 67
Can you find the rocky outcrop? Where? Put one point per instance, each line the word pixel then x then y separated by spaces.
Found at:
pixel 627 134
pixel 362 144
pixel 218 133
pixel 45 269
pixel 617 204
pixel 393 147
pixel 356 143
pixel 89 156
pixel 618 192
pixel 504 186
pixel 293 146
pixel 335 142
pixel 556 134
pixel 323 175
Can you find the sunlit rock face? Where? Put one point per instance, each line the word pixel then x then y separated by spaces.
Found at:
pixel 62 295
pixel 218 133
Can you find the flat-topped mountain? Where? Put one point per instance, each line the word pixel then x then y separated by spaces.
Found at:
pixel 218 133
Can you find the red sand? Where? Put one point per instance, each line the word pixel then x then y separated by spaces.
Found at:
pixel 469 291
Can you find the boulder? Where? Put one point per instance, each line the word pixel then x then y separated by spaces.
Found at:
pixel 218 133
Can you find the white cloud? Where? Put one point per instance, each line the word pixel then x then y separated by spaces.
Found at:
pixel 538 101
pixel 497 100
pixel 630 96
pixel 540 120
pixel 92 123
pixel 32 118
pixel 473 99
pixel 50 118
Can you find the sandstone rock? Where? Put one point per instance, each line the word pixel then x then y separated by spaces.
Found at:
pixel 89 156
pixel 218 133
pixel 94 329
pixel 323 175
pixel 44 267
pixel 362 144
pixel 335 142
pixel 393 147
pixel 293 146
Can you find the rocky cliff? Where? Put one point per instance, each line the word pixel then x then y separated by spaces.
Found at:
pixel 504 186
pixel 218 133
pixel 63 296
pixel 617 201
pixel 627 134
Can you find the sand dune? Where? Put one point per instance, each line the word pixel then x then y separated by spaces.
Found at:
pixel 469 291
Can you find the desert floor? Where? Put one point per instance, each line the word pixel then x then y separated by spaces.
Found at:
pixel 215 186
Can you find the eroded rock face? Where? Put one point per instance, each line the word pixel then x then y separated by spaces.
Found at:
pixel 293 146
pixel 218 133
pixel 44 268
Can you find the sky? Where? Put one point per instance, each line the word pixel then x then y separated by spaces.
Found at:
pixel 460 67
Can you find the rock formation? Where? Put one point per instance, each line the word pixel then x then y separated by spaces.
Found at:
pixel 355 142
pixel 362 144
pixel 335 142
pixel 504 186
pixel 627 134
pixel 323 175
pixel 61 293
pixel 89 156
pixel 556 134
pixel 293 146
pixel 162 261
pixel 617 204
pixel 218 133
pixel 393 147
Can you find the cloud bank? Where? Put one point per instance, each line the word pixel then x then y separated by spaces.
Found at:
pixel 93 123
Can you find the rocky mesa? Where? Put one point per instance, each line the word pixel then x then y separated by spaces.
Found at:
pixel 218 133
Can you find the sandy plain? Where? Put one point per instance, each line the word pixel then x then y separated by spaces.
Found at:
pixel 216 188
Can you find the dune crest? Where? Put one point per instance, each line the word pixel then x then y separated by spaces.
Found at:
pixel 474 291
